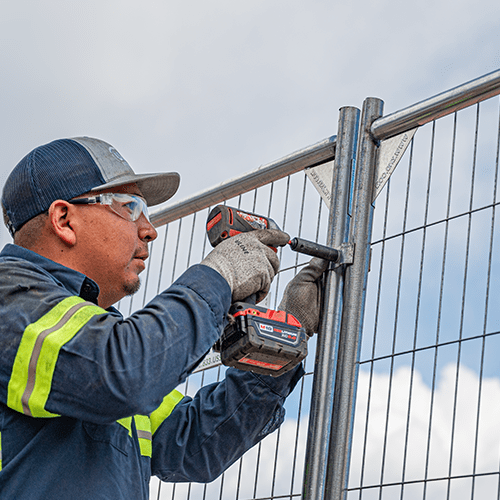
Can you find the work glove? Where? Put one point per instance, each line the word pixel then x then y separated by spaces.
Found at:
pixel 247 262
pixel 303 295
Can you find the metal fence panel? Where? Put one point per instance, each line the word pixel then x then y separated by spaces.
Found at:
pixel 426 383
pixel 274 469
pixel 428 397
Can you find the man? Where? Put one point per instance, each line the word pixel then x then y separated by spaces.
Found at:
pixel 88 406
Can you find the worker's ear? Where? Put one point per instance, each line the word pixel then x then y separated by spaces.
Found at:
pixel 61 215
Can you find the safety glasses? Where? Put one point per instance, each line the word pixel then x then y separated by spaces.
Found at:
pixel 127 206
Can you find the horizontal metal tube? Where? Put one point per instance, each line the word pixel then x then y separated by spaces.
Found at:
pixel 314 249
pixel 310 156
pixel 435 107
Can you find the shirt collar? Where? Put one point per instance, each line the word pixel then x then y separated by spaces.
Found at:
pixel 74 281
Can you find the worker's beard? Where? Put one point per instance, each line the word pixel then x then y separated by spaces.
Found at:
pixel 133 287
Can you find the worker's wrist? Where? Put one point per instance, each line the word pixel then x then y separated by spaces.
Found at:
pixel 211 287
pixel 284 384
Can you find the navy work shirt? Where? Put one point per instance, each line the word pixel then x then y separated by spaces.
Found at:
pixel 88 406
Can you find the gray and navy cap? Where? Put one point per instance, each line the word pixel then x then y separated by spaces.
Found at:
pixel 66 168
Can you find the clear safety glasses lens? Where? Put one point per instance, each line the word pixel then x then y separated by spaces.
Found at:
pixel 127 206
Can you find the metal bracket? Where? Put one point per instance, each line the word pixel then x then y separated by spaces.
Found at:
pixel 346 256
pixel 322 179
pixel 389 154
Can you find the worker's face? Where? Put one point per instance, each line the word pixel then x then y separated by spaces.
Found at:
pixel 115 248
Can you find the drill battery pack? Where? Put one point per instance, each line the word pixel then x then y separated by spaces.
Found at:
pixel 262 340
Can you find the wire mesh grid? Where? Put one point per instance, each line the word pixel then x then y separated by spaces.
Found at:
pixel 428 397
pixel 428 391
pixel 274 468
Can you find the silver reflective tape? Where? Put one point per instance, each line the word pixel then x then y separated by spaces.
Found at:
pixel 145 435
pixel 30 385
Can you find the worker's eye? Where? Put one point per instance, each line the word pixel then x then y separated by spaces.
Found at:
pixel 130 206
pixel 132 209
pixel 127 209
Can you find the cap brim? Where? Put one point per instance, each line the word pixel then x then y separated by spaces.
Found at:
pixel 156 188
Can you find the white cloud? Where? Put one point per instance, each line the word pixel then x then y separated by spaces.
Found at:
pixel 403 449
pixel 452 436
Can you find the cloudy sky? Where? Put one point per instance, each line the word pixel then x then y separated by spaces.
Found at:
pixel 215 88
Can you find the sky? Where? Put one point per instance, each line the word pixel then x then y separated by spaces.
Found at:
pixel 214 89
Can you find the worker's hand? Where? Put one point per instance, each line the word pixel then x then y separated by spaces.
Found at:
pixel 247 262
pixel 302 296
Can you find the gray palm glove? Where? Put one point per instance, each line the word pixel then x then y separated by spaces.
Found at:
pixel 302 296
pixel 247 263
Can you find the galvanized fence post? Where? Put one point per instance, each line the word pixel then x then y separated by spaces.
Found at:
pixel 353 306
pixel 326 352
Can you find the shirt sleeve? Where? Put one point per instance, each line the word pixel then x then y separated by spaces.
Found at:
pixel 64 356
pixel 204 435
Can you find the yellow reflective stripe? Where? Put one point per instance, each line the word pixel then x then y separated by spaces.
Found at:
pixel 127 423
pixel 165 409
pixel 143 426
pixel 36 358
pixel 146 426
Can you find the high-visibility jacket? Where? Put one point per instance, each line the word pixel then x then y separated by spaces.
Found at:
pixel 88 405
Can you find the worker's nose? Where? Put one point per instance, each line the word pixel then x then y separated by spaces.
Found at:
pixel 147 232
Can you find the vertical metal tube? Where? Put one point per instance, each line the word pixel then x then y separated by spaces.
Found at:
pixel 326 351
pixel 353 309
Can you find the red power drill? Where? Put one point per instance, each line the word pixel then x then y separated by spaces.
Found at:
pixel 259 339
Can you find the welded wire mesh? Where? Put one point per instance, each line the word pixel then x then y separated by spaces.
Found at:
pixel 428 390
pixel 428 400
pixel 273 469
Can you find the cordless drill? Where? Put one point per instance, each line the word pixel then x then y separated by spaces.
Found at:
pixel 259 339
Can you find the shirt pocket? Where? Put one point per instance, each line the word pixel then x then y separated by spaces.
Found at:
pixel 115 435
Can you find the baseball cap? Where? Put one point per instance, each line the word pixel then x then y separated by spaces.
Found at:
pixel 66 168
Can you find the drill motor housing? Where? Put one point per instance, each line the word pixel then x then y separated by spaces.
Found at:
pixel 224 222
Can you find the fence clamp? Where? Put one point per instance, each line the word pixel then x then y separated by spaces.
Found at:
pixel 346 255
